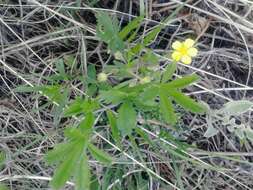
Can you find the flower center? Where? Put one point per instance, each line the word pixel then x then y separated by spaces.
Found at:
pixel 183 50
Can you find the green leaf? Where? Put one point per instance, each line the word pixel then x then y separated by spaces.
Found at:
pixel 91 71
pixel 95 183
pixel 236 107
pixel 134 89
pixel 82 174
pixel 126 118
pixel 58 111
pixel 67 167
pixel 61 69
pixel 90 105
pixel 169 71
pixel 99 155
pixel 150 37
pixel 2 159
pixel 210 132
pixel 186 102
pixel 111 174
pixel 87 124
pixel 74 108
pixel 171 138
pixel 112 96
pixel 182 82
pixel 91 90
pixel 79 106
pixel 106 28
pixel 113 125
pixel 133 36
pixel 53 92
pixel 149 93
pixel 147 97
pixel 74 134
pixel 150 57
pixel 108 31
pixel 135 23
pixel 166 109
pixel 135 50
pixel 144 136
pixel 59 152
pixel 69 60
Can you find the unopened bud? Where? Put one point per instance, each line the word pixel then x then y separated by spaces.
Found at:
pixel 118 55
pixel 102 77
pixel 145 80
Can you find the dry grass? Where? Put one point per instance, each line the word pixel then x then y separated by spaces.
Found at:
pixel 34 35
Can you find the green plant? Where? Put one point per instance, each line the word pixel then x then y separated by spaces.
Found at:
pixel 140 87
pixel 226 115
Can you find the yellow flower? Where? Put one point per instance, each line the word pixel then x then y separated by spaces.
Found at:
pixel 184 51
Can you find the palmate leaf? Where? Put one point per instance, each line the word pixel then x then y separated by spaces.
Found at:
pixel 79 106
pixel 149 93
pixel 106 26
pixel 126 120
pixel 181 82
pixel 82 174
pixel 150 57
pixel 135 50
pixel 135 23
pixel 150 37
pixel 113 96
pixel 113 124
pixel 66 169
pixel 186 102
pixel 74 108
pixel 148 96
pixel 99 154
pixel 53 92
pixel 169 71
pixel 69 155
pixel 61 69
pixel 74 134
pixel 108 31
pixel 166 108
pixel 59 152
pixel 91 72
pixel 87 124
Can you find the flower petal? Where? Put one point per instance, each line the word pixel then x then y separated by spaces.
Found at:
pixel 188 43
pixel 176 56
pixel 192 52
pixel 186 59
pixel 177 45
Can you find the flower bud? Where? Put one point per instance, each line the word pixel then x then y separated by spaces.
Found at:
pixel 145 80
pixel 102 77
pixel 118 55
